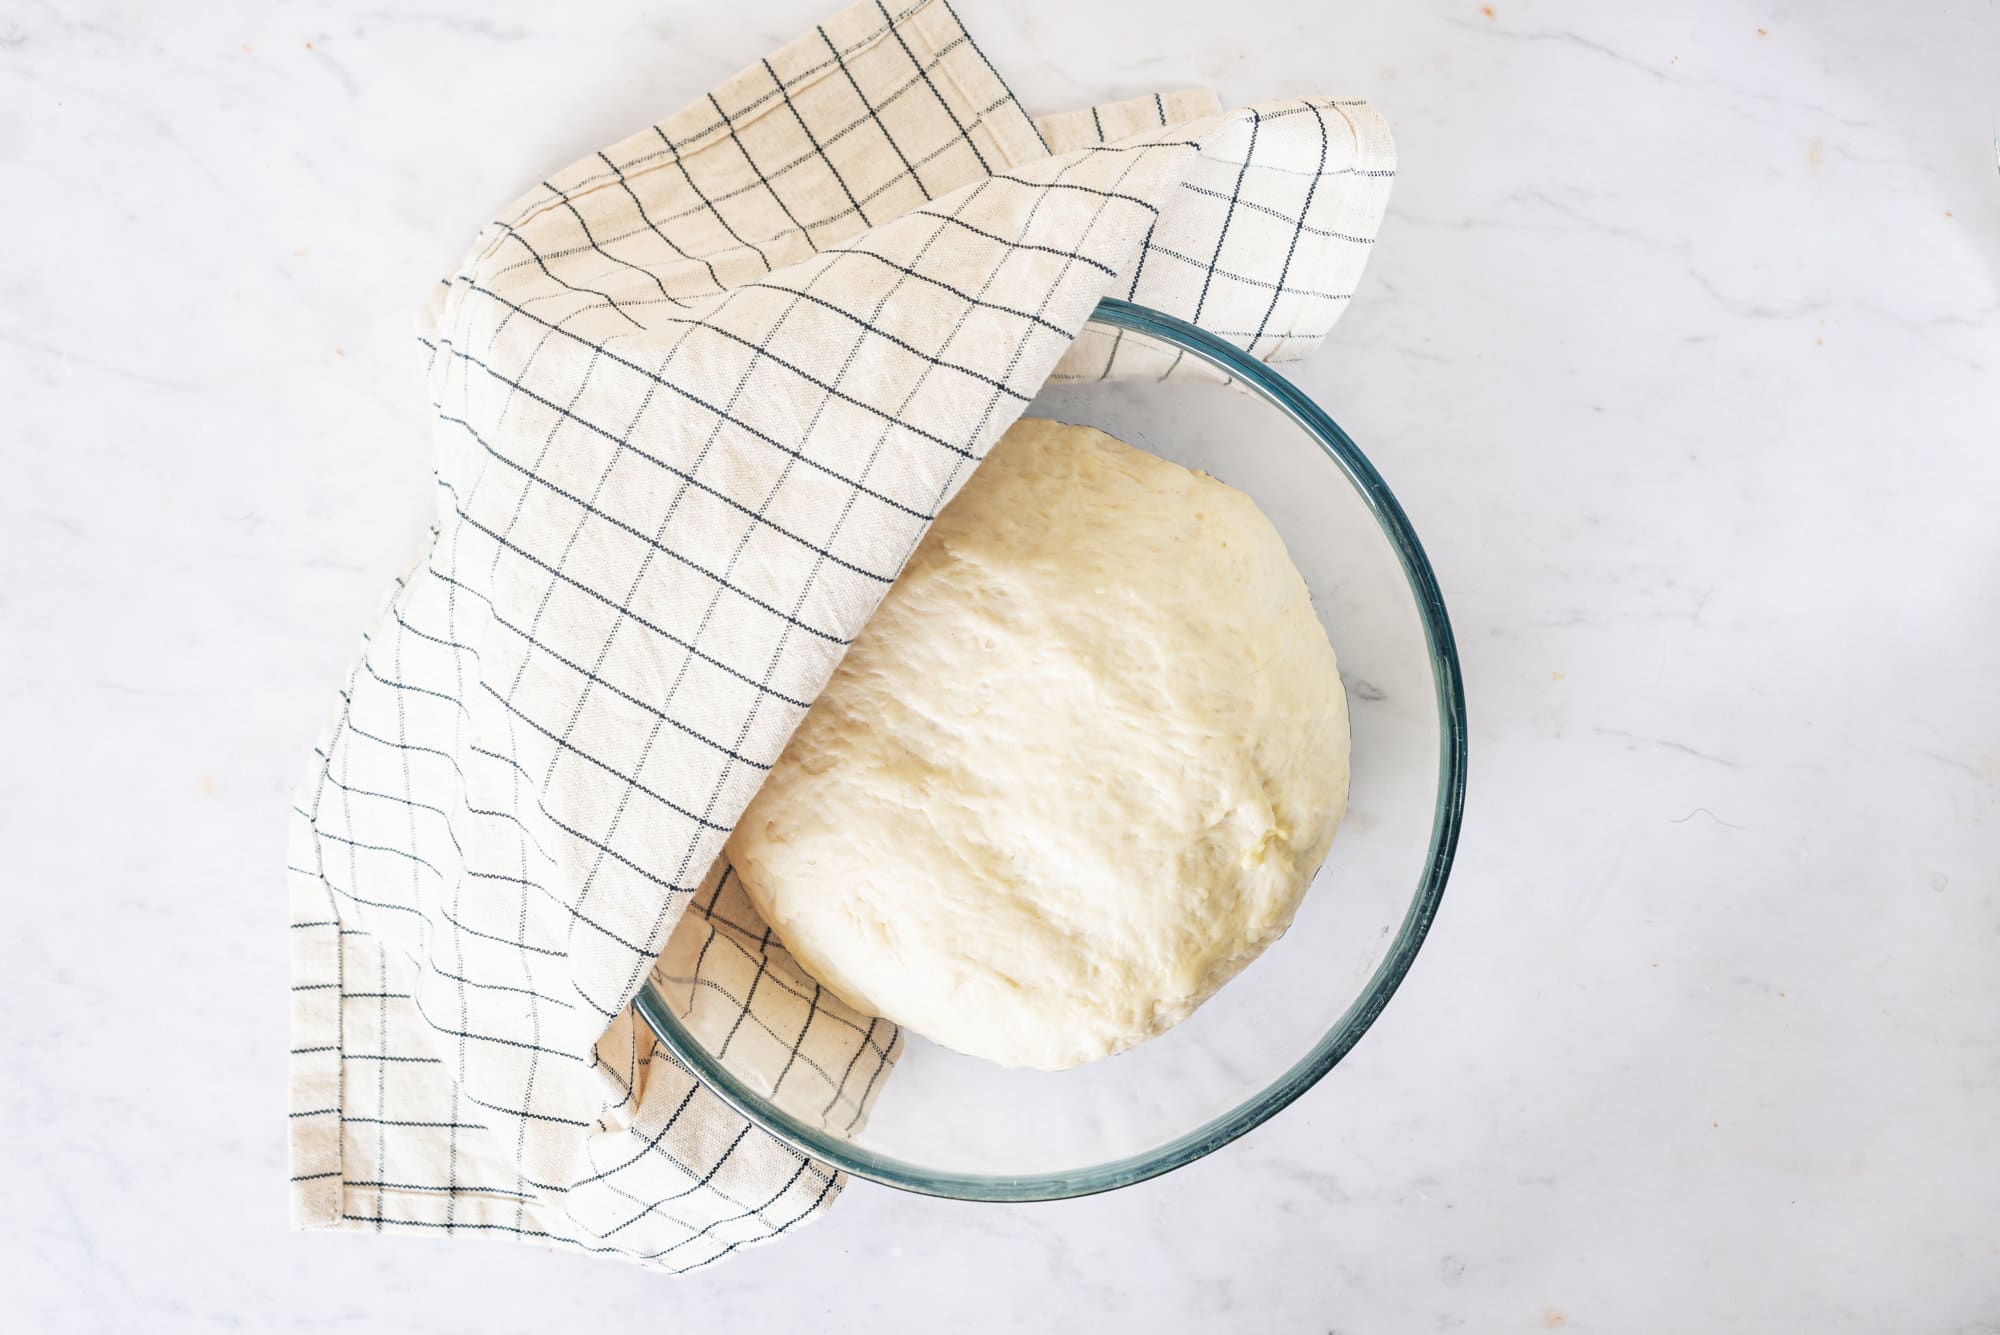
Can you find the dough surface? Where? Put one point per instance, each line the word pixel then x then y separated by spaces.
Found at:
pixel 1075 773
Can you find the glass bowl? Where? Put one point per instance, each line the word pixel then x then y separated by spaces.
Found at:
pixel 950 1125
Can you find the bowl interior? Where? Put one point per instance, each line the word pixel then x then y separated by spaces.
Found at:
pixel 956 1125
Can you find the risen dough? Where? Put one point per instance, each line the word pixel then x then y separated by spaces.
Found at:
pixel 1075 773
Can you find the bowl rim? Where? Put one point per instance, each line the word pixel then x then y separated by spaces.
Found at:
pixel 1338 1041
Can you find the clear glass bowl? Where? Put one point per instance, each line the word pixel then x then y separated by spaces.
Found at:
pixel 950 1125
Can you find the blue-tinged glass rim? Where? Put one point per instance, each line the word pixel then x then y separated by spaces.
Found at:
pixel 1338 1041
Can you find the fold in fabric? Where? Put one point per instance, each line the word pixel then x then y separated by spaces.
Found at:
pixel 696 399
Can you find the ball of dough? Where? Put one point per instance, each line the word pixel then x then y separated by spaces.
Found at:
pixel 1075 773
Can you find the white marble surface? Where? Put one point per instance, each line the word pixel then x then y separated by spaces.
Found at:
pixel 1680 346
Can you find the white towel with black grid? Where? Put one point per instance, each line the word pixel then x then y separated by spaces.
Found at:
pixel 696 399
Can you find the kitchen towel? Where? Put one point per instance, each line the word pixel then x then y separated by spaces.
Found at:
pixel 695 400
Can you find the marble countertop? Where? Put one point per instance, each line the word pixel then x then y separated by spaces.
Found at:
pixel 1680 347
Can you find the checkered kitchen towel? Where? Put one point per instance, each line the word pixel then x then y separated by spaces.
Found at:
pixel 696 399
